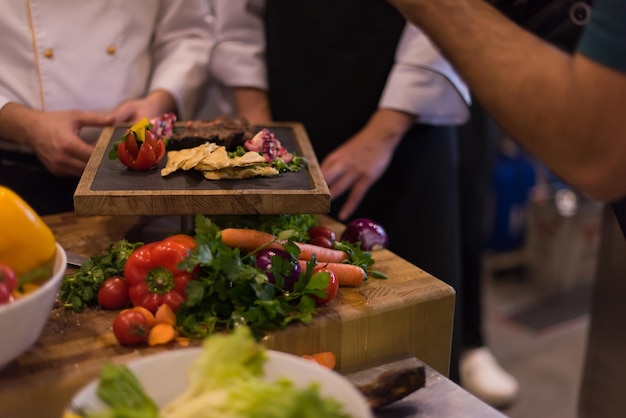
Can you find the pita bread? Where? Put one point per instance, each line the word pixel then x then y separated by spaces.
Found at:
pixel 241 173
pixel 215 164
pixel 186 159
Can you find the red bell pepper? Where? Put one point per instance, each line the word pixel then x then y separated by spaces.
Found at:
pixel 153 276
pixel 140 155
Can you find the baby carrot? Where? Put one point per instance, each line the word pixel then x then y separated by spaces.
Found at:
pixel 251 239
pixel 323 358
pixel 347 274
pixel 165 314
pixel 307 251
pixel 246 239
pixel 161 333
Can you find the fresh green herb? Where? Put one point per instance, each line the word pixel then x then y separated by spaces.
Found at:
pixel 295 164
pixel 360 258
pixel 80 289
pixel 298 224
pixel 231 290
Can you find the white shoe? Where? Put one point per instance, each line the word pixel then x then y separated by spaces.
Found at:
pixel 481 375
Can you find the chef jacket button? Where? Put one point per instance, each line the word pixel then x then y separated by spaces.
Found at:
pixel 48 53
pixel 111 50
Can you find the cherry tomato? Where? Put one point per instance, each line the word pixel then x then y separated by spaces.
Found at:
pixel 8 283
pixel 130 327
pixel 113 294
pixel 321 241
pixel 332 288
pixel 322 231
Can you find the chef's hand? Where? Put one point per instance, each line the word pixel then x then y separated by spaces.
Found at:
pixel 52 135
pixel 154 104
pixel 361 161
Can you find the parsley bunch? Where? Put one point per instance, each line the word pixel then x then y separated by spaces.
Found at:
pixel 80 289
pixel 231 290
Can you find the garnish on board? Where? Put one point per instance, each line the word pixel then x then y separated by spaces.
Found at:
pixel 143 145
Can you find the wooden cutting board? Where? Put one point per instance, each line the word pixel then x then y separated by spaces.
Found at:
pixel 107 187
pixel 409 312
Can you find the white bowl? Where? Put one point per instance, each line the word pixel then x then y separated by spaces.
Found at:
pixel 22 321
pixel 175 365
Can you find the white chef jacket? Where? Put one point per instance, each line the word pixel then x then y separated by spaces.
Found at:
pixel 421 82
pixel 95 54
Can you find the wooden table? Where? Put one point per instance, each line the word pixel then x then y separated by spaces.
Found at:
pixel 410 312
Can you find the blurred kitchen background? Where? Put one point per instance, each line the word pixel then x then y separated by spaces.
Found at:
pixel 542 244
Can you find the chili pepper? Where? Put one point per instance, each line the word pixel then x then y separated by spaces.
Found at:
pixel 139 149
pixel 8 283
pixel 26 242
pixel 153 276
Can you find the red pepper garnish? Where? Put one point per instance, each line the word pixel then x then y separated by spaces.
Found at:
pixel 140 155
pixel 153 276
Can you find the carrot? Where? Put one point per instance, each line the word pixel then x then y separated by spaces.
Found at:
pixel 347 275
pixel 323 358
pixel 165 314
pixel 251 239
pixel 247 239
pixel 307 251
pixel 162 333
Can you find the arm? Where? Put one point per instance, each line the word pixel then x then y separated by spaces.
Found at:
pixel 181 47
pixel 423 83
pixel 421 86
pixel 566 110
pixel 360 161
pixel 52 135
pixel 238 59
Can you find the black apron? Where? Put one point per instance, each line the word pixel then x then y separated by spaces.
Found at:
pixel 328 62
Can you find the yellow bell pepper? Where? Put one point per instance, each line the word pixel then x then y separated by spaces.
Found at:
pixel 139 128
pixel 26 242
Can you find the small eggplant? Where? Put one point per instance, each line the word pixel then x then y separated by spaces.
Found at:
pixel 272 260
pixel 370 234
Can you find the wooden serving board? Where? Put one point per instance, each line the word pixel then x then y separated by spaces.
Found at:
pixel 107 187
pixel 409 312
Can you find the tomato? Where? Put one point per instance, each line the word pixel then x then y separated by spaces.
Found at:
pixel 113 294
pixel 332 288
pixel 321 241
pixel 8 283
pixel 131 327
pixel 322 231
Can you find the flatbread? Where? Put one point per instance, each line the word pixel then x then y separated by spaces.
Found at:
pixel 215 164
pixel 241 173
pixel 186 159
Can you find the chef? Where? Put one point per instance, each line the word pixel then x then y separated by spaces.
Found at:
pixel 70 65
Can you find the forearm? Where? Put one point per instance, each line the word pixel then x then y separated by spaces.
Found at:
pixel 162 102
pixel 252 104
pixel 545 99
pixel 15 121
pixel 389 126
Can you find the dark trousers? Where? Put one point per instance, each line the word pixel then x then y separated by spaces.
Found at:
pixel 44 192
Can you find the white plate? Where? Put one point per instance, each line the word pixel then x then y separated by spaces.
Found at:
pixel 175 364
